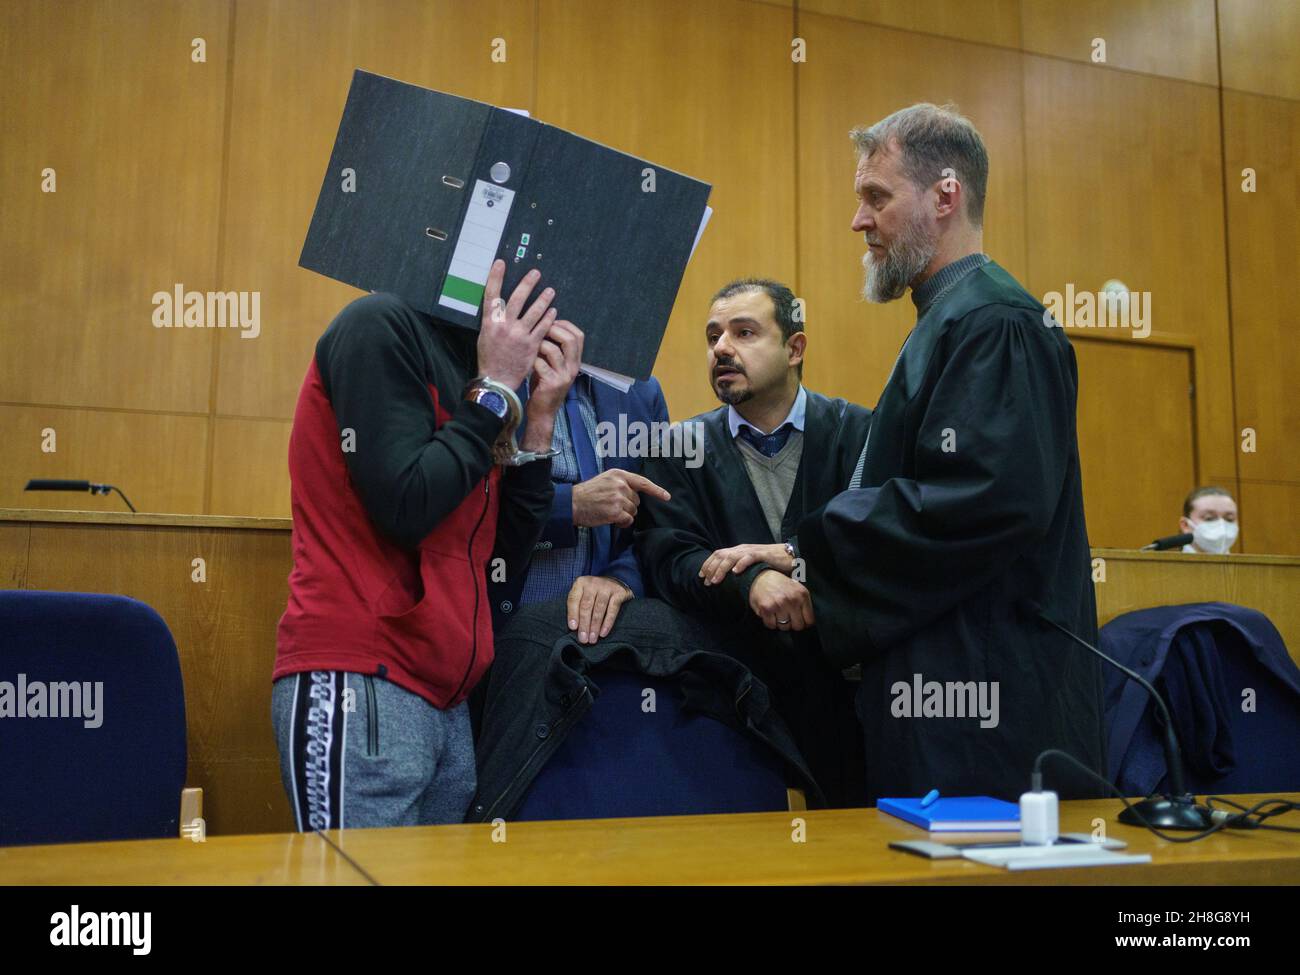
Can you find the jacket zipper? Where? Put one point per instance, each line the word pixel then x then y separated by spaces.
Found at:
pixel 473 576
pixel 553 737
pixel 372 718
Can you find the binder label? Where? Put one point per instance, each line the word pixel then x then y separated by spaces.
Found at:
pixel 476 247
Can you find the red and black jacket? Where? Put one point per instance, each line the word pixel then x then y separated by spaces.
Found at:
pixel 397 507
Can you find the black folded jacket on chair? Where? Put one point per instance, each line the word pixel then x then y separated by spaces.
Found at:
pixel 543 682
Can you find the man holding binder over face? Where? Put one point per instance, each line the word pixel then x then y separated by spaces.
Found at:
pixel 406 483
pixel 402 512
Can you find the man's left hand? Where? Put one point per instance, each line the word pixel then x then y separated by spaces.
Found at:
pixel 594 602
pixel 738 558
pixel 556 366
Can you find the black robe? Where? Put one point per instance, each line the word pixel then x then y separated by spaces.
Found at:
pixel 971 508
pixel 715 506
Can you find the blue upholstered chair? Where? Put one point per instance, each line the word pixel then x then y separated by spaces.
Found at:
pixel 619 760
pixel 112 766
pixel 1231 686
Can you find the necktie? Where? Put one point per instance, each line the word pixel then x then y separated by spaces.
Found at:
pixel 769 444
pixel 588 467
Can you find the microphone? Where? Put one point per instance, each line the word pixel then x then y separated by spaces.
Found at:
pixel 1169 541
pixel 45 484
pixel 1177 809
pixel 55 484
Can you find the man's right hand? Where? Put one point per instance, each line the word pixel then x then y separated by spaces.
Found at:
pixel 612 498
pixel 510 336
pixel 775 597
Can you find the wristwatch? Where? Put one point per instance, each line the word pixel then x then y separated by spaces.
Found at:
pixel 501 400
pixel 490 398
pixel 497 397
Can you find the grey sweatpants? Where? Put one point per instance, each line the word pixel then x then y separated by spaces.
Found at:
pixel 358 751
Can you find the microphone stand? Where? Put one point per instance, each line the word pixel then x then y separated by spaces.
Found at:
pixel 1177 809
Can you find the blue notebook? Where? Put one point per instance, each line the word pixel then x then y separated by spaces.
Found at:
pixel 959 814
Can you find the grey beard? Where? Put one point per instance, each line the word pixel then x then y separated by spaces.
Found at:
pixel 902 264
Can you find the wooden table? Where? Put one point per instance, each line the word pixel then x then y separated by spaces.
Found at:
pixel 841 847
pixel 277 858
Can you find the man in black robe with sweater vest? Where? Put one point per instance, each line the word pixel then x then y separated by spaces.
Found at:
pixel 774 452
pixel 964 523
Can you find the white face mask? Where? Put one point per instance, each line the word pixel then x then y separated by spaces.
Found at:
pixel 1215 537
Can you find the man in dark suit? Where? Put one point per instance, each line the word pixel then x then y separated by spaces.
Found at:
pixel 585 552
pixel 772 453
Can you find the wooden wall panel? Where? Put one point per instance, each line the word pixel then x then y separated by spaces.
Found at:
pixel 14 540
pixel 1267 510
pixel 1263 134
pixel 105 93
pixel 852 345
pixel 250 468
pixel 293 66
pixel 1174 38
pixel 224 630
pixel 1139 580
pixel 1259 46
pixel 1097 173
pixel 1124 180
pixel 705 89
pixel 157 459
pixel 1136 431
pixel 989 22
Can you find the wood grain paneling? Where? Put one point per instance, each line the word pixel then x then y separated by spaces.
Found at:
pixel 250 467
pixel 1135 430
pixel 293 66
pixel 105 94
pixel 990 21
pixel 862 74
pixel 206 174
pixel 157 459
pixel 1174 38
pixel 1267 510
pixel 1124 181
pixel 224 628
pixel 1259 44
pixel 1263 134
pixel 14 539
pixel 1140 580
pixel 705 89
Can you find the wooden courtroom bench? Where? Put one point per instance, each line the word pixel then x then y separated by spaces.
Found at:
pixel 223 613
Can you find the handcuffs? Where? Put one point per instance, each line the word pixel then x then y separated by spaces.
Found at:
pixel 501 400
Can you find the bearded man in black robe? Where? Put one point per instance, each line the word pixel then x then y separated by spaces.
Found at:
pixel 964 520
